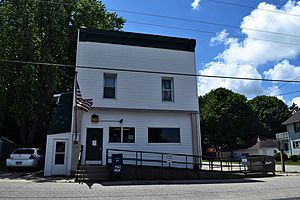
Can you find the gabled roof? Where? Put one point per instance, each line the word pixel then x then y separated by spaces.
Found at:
pixel 294 118
pixel 249 143
pixel 136 39
pixel 265 144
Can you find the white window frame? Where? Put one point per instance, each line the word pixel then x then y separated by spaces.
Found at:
pixel 104 86
pixel 122 134
pixel 167 90
pixel 296 144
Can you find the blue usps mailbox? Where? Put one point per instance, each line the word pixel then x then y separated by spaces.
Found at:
pixel 117 166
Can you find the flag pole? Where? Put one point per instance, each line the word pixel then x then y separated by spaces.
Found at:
pixel 75 117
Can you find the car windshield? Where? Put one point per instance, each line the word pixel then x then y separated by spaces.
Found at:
pixel 24 151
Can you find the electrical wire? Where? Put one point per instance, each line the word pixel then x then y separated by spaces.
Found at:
pixel 148 72
pixel 202 22
pixel 185 19
pixel 210 32
pixel 296 91
pixel 215 1
pixel 252 7
pixel 280 86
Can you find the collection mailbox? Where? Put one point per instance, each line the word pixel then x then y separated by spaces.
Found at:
pixel 117 166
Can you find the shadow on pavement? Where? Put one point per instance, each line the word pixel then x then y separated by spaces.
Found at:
pixel 174 182
pixel 34 176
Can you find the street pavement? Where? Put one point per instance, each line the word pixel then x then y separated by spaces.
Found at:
pixel 28 186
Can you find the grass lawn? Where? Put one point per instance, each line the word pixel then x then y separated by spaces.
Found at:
pixel 289 162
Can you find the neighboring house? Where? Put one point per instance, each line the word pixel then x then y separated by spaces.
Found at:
pixel 285 142
pixel 293 129
pixel 155 109
pixel 6 147
pixel 255 146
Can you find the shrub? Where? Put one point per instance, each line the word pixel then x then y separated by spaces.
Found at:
pixel 277 157
pixel 294 158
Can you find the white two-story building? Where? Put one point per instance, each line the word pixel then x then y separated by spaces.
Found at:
pixel 144 98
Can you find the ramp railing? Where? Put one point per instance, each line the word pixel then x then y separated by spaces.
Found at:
pixel 174 160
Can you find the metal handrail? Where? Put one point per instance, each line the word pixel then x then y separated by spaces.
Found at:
pixel 153 152
pixel 197 162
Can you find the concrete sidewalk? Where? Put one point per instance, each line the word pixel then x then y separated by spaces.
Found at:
pixel 288 168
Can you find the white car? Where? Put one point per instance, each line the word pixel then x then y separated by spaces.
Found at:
pixel 25 157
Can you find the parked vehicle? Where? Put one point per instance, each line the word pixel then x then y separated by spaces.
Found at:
pixel 25 158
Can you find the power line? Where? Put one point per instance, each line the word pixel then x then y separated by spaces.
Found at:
pixel 202 22
pixel 210 32
pixel 215 1
pixel 189 20
pixel 280 86
pixel 252 7
pixel 296 91
pixel 148 72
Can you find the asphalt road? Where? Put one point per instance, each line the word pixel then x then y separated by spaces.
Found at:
pixel 280 187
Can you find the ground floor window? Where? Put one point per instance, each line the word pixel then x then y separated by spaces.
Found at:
pixel 163 135
pixel 121 135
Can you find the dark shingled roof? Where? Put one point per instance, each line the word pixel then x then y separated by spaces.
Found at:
pixel 62 117
pixel 248 144
pixel 294 118
pixel 265 144
pixel 136 39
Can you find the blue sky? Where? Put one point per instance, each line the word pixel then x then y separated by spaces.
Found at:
pixel 230 51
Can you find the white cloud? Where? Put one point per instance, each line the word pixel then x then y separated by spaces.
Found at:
pixel 243 57
pixel 283 70
pixel 195 4
pixel 246 87
pixel 258 52
pixel 273 91
pixel 295 100
pixel 221 37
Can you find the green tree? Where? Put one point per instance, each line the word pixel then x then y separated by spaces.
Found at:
pixel 271 113
pixel 226 118
pixel 42 31
pixel 294 108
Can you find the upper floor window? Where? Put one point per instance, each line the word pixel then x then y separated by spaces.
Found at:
pixel 167 89
pixel 110 81
pixel 297 127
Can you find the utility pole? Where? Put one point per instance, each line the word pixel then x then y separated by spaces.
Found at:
pixel 281 146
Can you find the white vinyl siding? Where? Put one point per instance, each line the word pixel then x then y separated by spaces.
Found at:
pixel 141 121
pixel 137 90
pixel 50 153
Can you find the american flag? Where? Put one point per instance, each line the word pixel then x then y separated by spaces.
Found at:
pixel 84 104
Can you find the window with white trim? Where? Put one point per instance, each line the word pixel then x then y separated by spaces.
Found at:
pixel 110 81
pixel 296 144
pixel 167 88
pixel 297 127
pixel 121 135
